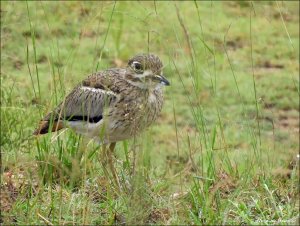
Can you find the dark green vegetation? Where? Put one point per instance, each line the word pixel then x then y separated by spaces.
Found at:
pixel 225 147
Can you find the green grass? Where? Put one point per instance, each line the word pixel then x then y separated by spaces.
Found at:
pixel 224 150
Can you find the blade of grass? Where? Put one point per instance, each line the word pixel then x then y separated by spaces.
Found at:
pixel 106 34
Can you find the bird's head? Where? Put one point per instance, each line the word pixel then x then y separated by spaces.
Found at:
pixel 145 71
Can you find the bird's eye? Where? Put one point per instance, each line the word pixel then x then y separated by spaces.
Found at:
pixel 138 68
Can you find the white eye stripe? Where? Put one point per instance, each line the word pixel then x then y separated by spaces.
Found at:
pixel 135 62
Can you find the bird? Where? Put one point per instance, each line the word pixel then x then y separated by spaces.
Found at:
pixel 112 105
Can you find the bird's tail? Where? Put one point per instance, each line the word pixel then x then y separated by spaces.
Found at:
pixel 47 126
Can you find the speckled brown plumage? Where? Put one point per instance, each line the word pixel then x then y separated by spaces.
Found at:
pixel 113 104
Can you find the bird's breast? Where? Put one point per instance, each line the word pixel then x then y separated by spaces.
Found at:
pixel 133 113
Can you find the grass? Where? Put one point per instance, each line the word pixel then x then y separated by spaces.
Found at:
pixel 225 149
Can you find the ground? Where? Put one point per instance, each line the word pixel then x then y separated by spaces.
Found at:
pixel 225 149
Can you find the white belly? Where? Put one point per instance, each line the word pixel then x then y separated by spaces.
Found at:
pixel 98 131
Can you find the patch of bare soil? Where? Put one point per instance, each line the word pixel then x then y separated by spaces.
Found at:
pixel 42 59
pixel 288 122
pixel 266 68
pixel 158 215
pixel 27 34
pixel 234 44
pixel 84 12
pixel 18 64
pixel 269 64
pixel 270 10
pixel 283 120
pixel 237 7
pixel 13 184
pixel 87 33
pixel 286 16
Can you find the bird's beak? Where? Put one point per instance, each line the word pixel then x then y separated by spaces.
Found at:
pixel 162 80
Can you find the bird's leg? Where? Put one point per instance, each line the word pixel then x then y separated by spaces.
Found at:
pixel 111 164
pixel 103 160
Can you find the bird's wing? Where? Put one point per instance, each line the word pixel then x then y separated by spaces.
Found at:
pixel 87 101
